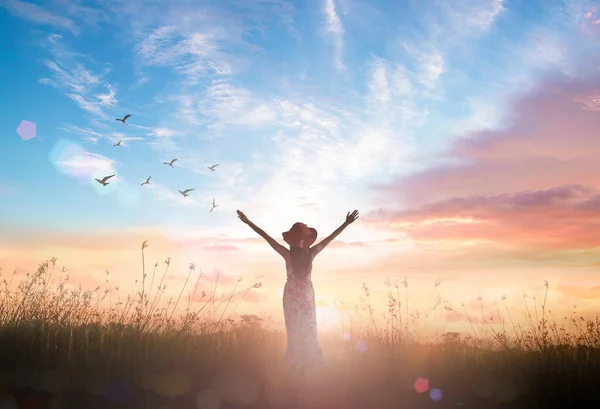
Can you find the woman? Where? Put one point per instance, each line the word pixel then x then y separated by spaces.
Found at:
pixel 298 294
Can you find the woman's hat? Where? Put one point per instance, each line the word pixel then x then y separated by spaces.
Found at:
pixel 300 235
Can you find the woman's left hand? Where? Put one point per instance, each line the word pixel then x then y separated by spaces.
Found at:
pixel 243 217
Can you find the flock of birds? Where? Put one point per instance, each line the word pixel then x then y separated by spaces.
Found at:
pixel 184 193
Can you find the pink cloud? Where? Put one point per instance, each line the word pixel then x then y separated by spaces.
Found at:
pixel 224 247
pixel 561 217
pixel 581 292
pixel 551 141
pixel 220 277
pixel 535 182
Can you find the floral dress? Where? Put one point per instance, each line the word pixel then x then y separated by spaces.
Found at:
pixel 300 321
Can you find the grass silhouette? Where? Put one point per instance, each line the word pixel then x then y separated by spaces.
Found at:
pixel 75 346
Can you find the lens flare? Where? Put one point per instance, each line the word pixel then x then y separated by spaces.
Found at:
pixel 71 159
pixel 360 346
pixel 421 385
pixel 435 394
pixel 26 130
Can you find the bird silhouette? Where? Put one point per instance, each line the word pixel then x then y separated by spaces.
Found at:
pixel 103 181
pixel 185 192
pixel 170 163
pixel 212 168
pixel 213 206
pixel 124 120
pixel 118 143
pixel 147 182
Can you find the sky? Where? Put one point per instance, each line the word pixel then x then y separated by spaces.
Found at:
pixel 465 133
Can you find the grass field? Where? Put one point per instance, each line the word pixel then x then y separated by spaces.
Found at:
pixel 79 348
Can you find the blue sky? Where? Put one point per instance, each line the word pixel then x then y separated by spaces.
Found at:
pixel 304 105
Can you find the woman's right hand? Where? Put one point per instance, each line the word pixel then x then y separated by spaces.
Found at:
pixel 243 217
pixel 351 217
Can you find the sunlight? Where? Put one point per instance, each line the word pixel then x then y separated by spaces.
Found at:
pixel 328 318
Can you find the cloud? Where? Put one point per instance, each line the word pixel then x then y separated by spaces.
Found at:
pixel 527 184
pixel 430 64
pixel 580 292
pixel 477 15
pixel 162 132
pixel 450 22
pixel 89 135
pixel 218 276
pixel 109 98
pixel 192 53
pixel 88 16
pixel 559 218
pixel 116 137
pixel 37 14
pixel 223 248
pixel 93 136
pixel 333 26
pixel 392 97
pixel 222 104
pixel 79 83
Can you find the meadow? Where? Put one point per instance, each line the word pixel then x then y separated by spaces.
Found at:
pixel 64 347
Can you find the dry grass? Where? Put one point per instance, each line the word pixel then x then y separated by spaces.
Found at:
pixel 100 331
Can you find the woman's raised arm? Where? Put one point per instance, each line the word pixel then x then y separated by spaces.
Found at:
pixel 350 218
pixel 276 246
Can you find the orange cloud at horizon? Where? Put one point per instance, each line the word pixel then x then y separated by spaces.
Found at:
pixel 334 276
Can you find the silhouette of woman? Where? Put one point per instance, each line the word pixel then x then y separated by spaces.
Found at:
pixel 298 294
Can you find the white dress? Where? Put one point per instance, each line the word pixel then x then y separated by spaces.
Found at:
pixel 300 321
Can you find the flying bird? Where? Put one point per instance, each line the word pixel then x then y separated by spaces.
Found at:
pixel 213 206
pixel 170 163
pixel 212 168
pixel 124 120
pixel 185 192
pixel 103 181
pixel 147 182
pixel 118 143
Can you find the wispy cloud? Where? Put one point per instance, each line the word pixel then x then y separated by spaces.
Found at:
pixel 477 15
pixel 79 82
pixel 88 135
pixel 333 26
pixel 431 66
pixel 108 99
pixel 93 136
pixel 451 22
pixel 87 16
pixel 37 14
pixel 393 94
pixel 191 53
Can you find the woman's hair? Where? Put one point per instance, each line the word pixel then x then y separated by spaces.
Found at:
pixel 301 261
